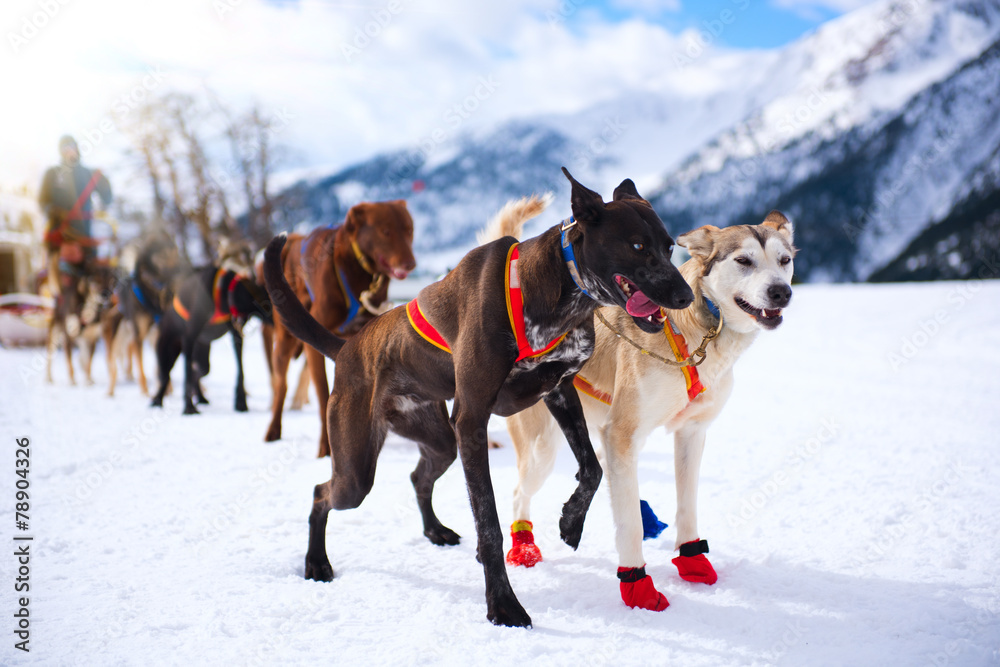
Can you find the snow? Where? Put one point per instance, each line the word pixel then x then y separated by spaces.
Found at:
pixel 849 493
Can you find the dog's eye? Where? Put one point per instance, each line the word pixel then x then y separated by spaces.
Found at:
pixel 785 261
pixel 638 247
pixel 744 261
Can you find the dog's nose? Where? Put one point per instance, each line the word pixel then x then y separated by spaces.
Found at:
pixel 779 294
pixel 682 297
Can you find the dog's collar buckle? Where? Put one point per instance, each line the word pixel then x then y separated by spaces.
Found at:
pixel 568 223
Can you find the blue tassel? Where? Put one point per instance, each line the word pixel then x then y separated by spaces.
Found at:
pixel 651 526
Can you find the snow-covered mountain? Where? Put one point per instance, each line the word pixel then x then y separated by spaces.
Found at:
pixel 868 132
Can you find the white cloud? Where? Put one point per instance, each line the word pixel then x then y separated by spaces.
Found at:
pixel 354 78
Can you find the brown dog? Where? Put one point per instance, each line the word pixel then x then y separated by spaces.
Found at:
pixel 341 276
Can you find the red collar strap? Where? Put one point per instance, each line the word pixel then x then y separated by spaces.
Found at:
pixel 232 301
pixel 515 313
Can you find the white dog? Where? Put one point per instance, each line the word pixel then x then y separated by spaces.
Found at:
pixel 633 384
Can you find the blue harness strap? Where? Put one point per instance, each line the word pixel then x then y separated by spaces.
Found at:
pixel 569 257
pixel 143 301
pixel 353 304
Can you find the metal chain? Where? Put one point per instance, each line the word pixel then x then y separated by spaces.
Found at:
pixel 701 352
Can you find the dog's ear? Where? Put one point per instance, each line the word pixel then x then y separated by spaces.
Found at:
pixel 626 190
pixel 699 242
pixel 355 219
pixel 776 220
pixel 587 205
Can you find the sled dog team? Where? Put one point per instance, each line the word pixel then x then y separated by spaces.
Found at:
pixel 587 329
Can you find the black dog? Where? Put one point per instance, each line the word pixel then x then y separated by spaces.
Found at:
pixel 143 297
pixel 206 304
pixel 390 377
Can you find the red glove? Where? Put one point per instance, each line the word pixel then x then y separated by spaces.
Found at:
pixel 692 564
pixel 638 590
pixel 524 552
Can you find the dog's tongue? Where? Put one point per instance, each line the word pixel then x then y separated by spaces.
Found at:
pixel 639 305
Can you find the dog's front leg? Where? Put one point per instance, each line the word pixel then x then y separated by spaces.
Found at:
pixel 473 400
pixel 241 392
pixel 689 444
pixel 564 404
pixel 190 377
pixel 621 449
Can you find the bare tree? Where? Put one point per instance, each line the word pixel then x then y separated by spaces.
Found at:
pixel 173 138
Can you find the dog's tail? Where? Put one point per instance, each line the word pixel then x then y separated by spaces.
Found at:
pixel 509 221
pixel 294 316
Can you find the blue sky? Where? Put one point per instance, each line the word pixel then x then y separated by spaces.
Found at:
pixel 753 23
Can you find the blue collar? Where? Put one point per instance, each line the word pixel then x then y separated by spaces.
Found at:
pixel 569 257
pixel 712 308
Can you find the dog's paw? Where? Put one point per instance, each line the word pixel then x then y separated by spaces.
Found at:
pixel 322 571
pixel 242 406
pixel 523 552
pixel 571 530
pixel 692 564
pixel 525 555
pixel 443 536
pixel 273 434
pixel 202 400
pixel 696 568
pixel 638 591
pixel 191 410
pixel 508 611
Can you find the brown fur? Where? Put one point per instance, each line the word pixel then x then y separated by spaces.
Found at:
pixel 384 233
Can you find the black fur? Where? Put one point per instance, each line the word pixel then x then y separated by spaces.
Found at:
pixel 193 336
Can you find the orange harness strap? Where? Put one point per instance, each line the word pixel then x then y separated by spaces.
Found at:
pixel 679 347
pixel 583 385
pixel 515 313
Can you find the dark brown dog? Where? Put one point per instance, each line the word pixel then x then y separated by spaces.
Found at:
pixel 341 276
pixel 388 377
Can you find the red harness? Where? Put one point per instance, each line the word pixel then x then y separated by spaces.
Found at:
pixel 515 313
pixel 218 316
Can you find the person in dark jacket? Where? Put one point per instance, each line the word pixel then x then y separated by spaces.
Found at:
pixel 65 197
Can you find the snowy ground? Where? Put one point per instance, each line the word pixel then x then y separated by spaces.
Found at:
pixel 851 499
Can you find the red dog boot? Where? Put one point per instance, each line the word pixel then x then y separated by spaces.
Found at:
pixel 638 590
pixel 524 552
pixel 692 564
